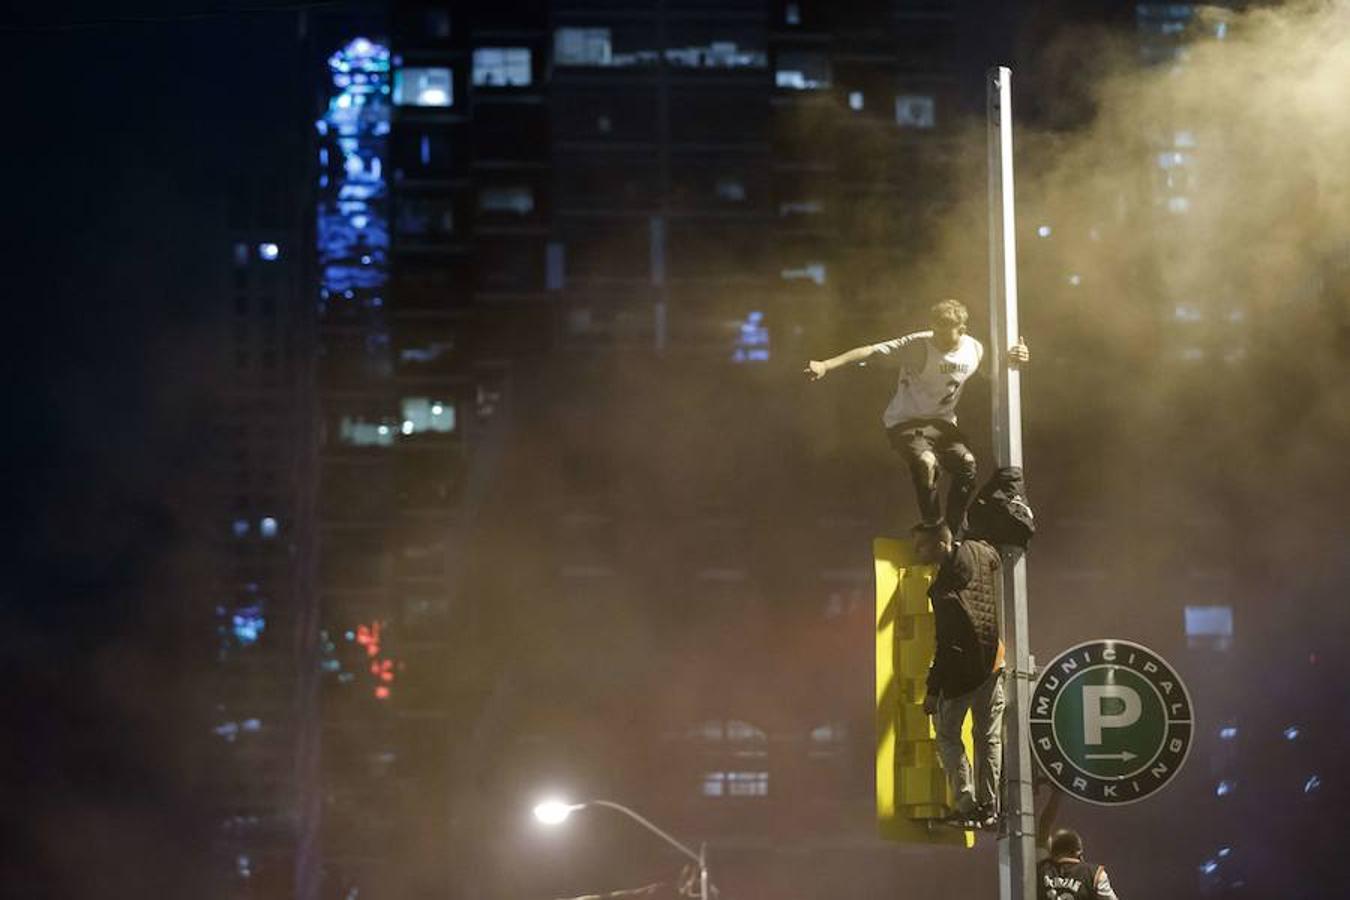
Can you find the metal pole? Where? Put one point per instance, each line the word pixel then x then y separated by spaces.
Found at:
pixel 1017 845
pixel 650 826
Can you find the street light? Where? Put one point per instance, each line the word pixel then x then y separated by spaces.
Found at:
pixel 555 812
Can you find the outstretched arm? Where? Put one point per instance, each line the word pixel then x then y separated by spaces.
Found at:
pixel 818 369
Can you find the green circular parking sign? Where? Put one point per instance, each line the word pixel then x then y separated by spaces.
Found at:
pixel 1111 722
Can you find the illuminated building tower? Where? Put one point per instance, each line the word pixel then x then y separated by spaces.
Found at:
pixel 404 400
pixel 358 428
pixel 1209 323
pixel 261 600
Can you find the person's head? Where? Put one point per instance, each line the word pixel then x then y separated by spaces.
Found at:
pixel 1066 844
pixel 932 543
pixel 948 319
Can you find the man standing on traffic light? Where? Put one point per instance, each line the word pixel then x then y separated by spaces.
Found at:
pixel 966 674
pixel 921 417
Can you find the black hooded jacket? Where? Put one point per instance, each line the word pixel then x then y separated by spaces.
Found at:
pixel 967 597
pixel 1000 512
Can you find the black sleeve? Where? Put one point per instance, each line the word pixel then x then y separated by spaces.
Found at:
pixel 940 667
pixel 936 670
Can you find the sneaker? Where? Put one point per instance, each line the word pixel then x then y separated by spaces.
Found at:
pixel 962 817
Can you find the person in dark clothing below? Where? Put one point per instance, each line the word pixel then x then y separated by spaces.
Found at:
pixel 1064 876
pixel 966 674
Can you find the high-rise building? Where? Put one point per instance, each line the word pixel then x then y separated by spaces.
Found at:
pixel 563 252
pixel 258 688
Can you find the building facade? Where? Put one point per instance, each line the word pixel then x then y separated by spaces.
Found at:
pixel 566 253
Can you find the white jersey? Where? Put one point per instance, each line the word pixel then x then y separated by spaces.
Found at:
pixel 930 381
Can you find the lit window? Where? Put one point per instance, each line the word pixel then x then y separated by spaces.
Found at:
pixel 269 252
pixel 831 733
pixel 916 111
pixel 425 216
pixel 501 67
pixel 358 432
pixel 731 190
pixel 267 527
pixel 427 353
pixel 582 47
pixel 431 86
pixel 736 730
pixel 752 340
pixel 1209 626
pixel 814 271
pixel 748 784
pixel 1171 159
pixel 422 414
pixel 802 70
pixel 800 208
pixel 515 199
pixel 716 55
pixel 735 784
pixel 855 100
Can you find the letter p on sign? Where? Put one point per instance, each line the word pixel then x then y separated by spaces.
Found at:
pixel 1095 717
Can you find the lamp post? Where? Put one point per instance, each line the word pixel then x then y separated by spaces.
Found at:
pixel 555 812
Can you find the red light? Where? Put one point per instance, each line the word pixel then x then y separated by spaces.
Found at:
pixel 382 693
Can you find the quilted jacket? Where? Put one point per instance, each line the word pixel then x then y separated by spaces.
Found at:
pixel 967 596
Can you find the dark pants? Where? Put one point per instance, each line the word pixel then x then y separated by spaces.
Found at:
pixel 925 445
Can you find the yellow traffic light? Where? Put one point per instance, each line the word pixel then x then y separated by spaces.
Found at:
pixel 911 789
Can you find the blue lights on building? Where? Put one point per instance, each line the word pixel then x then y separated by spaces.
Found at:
pixel 248 624
pixel 353 212
pixel 752 339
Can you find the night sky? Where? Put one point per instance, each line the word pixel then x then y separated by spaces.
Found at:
pixel 116 160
